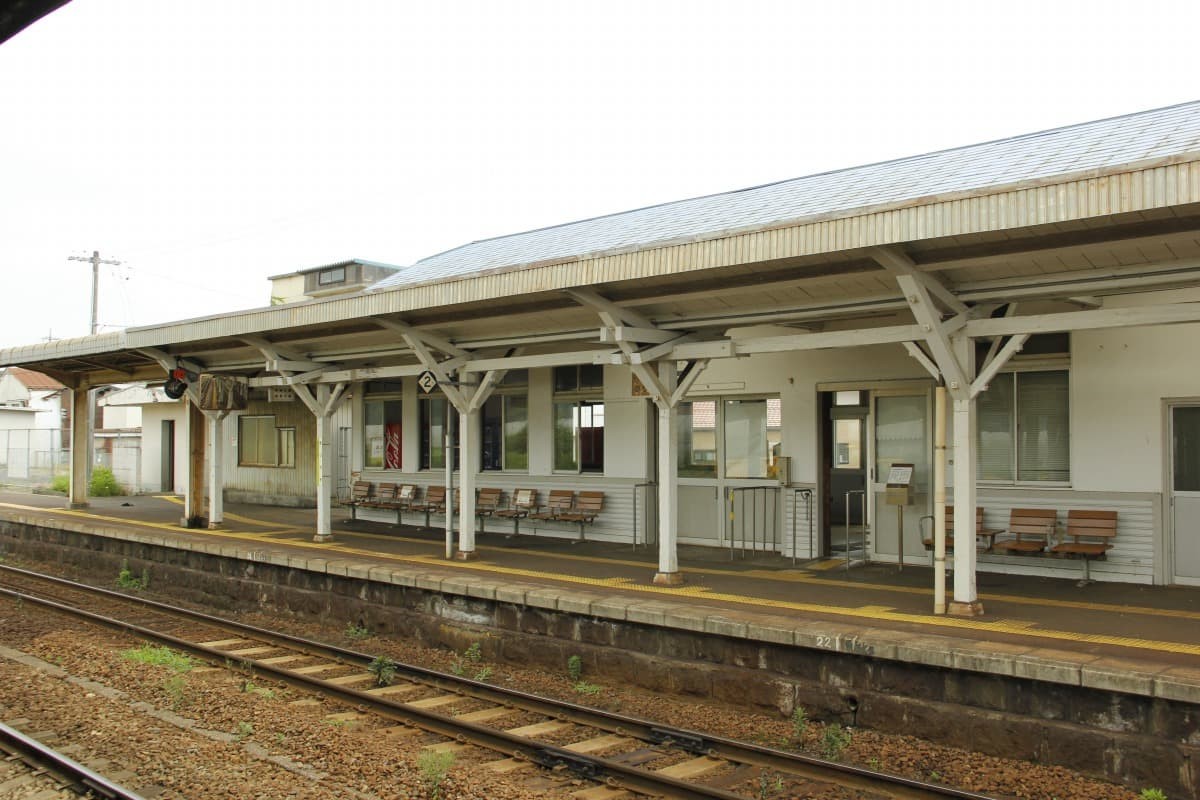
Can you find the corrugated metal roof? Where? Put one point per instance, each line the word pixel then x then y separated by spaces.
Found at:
pixel 1090 146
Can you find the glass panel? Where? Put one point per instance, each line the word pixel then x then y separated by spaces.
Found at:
pixel 1043 425
pixel 774 435
pixel 698 439
pixel 994 430
pixel 591 437
pixel 373 434
pixel 591 376
pixel 1185 448
pixel 516 432
pixel 900 438
pixel 433 433
pixel 287 447
pixel 566 422
pixel 853 398
pixel 745 438
pixel 492 422
pixel 847 445
pixel 516 377
pixel 566 379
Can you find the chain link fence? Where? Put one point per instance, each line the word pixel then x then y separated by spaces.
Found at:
pixel 31 458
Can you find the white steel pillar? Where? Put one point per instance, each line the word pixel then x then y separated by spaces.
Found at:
pixel 216 458
pixel 467 424
pixel 668 483
pixel 81 449
pixel 966 597
pixel 324 417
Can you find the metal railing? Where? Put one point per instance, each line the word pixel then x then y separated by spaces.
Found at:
pixel 862 524
pixel 807 493
pixel 757 512
pixel 649 493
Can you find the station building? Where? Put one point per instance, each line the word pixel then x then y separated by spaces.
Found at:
pixel 745 370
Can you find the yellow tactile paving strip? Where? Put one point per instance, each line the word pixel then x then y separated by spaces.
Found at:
pixel 864 612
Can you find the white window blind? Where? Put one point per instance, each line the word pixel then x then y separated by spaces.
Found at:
pixel 1043 425
pixel 994 420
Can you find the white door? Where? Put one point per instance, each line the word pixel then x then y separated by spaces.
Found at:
pixel 1185 493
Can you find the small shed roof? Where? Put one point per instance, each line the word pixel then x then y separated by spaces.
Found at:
pixel 1090 146
pixel 35 381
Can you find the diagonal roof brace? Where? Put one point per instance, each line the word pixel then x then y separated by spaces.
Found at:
pixel 897 262
pixel 439 343
pixel 281 360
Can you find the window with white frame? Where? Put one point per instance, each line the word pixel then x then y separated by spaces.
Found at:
pixel 383 431
pixel 579 418
pixel 328 277
pixel 434 420
pixel 505 424
pixel 258 441
pixel 286 447
pixel 750 433
pixel 1024 427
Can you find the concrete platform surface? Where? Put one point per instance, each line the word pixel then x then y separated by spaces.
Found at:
pixel 1142 640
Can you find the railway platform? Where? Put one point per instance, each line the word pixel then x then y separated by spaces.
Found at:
pixel 1136 639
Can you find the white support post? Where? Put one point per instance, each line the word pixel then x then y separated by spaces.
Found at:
pixel 81 449
pixel 466 464
pixel 324 418
pixel 966 598
pixel 216 458
pixel 448 450
pixel 939 499
pixel 668 483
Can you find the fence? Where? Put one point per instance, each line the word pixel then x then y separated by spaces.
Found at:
pixel 32 457
pixel 753 523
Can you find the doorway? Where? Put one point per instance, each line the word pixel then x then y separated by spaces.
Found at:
pixel 1184 483
pixel 845 462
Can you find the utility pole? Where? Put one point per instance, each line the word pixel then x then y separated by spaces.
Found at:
pixel 96 262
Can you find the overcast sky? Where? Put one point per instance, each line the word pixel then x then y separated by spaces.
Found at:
pixel 209 145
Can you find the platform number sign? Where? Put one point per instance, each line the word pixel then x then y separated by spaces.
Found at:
pixel 427 382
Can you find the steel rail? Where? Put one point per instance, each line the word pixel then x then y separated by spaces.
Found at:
pixel 845 775
pixel 71 773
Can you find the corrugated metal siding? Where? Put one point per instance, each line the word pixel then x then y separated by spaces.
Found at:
pixel 1131 558
pixel 276 481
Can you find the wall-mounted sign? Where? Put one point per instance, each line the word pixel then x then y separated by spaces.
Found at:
pixel 427 382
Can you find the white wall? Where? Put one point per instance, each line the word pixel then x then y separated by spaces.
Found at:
pixel 152 447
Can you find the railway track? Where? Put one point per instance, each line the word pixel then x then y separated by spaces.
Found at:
pixel 621 755
pixel 29 760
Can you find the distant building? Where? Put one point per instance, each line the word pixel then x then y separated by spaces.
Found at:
pixel 344 277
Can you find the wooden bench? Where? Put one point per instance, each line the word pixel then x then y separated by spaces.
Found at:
pixel 1089 535
pixel 361 494
pixel 384 497
pixel 560 502
pixel 1031 529
pixel 435 502
pixel 981 532
pixel 487 503
pixel 587 507
pixel 522 504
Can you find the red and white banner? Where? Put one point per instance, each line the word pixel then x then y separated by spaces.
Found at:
pixel 391 455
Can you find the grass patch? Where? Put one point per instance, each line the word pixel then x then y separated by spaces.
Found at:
pixel 160 657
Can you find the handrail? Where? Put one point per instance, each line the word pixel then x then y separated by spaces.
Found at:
pixel 759 497
pixel 862 523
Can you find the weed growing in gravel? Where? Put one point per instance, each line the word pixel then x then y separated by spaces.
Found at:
pixel 834 741
pixel 175 687
pixel 583 687
pixel 160 657
pixel 244 729
pixel 249 687
pixel 357 631
pixel 434 766
pixel 768 785
pixel 127 580
pixel 470 657
pixel 799 723
pixel 384 670
pixel 1153 794
pixel 935 776
pixel 575 668
pixel 873 763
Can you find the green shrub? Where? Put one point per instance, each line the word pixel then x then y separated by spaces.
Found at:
pixel 575 668
pixel 434 766
pixel 834 741
pixel 1153 794
pixel 160 657
pixel 61 483
pixel 104 483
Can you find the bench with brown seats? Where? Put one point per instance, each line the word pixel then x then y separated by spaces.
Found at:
pixel 1031 529
pixel 588 506
pixel 522 503
pixel 487 503
pixel 559 502
pixel 434 502
pixel 361 495
pixel 981 532
pixel 1089 535
pixel 384 496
